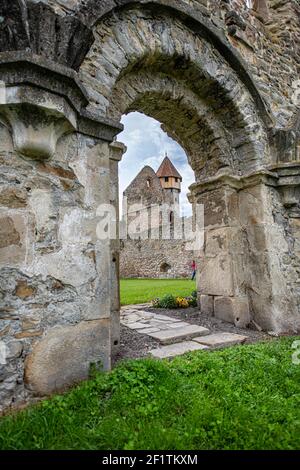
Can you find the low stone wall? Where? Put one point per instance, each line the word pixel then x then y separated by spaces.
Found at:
pixel 155 259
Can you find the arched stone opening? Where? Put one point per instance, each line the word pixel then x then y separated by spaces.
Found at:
pixel 165 268
pixel 166 59
pixel 165 70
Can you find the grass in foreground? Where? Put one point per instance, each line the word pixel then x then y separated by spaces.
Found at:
pixel 138 291
pixel 245 397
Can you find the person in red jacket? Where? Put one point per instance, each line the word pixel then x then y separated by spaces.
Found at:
pixel 194 268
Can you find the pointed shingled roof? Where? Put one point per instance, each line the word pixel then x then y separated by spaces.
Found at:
pixel 167 169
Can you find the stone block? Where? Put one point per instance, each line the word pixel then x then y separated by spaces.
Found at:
pixel 179 324
pixel 221 339
pixel 147 331
pixel 136 325
pixel 215 276
pixel 64 356
pixel 14 349
pixel 13 198
pixel 220 240
pixel 233 310
pixel 177 334
pixel 255 205
pixel 15 244
pixel 207 304
pixel 177 349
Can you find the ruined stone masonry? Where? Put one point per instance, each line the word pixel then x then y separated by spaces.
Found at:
pixel 157 248
pixel 222 76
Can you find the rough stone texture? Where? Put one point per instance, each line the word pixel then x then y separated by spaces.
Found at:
pixel 233 310
pixel 207 304
pixel 223 80
pixel 52 265
pixel 177 349
pixel 174 335
pixel 80 347
pixel 221 339
pixel 155 259
pixel 33 25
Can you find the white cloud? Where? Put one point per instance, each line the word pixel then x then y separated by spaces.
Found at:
pixel 147 144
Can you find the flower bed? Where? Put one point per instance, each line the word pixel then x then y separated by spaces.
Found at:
pixel 170 301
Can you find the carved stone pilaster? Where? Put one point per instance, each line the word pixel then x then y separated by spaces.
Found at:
pixel 41 101
pixel 37 120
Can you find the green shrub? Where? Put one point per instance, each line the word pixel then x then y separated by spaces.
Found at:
pixel 156 303
pixel 192 301
pixel 168 301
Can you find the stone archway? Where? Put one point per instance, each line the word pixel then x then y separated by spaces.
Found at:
pixel 66 77
pixel 164 69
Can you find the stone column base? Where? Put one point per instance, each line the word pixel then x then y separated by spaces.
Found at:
pixel 233 310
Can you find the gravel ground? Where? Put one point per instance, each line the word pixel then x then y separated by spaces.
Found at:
pixel 135 345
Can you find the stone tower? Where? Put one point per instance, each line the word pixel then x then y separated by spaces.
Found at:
pixel 170 180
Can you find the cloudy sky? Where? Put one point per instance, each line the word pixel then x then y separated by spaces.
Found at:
pixel 146 145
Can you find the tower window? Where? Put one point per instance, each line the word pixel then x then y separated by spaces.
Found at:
pixel 166 179
pixel 148 182
pixel 176 180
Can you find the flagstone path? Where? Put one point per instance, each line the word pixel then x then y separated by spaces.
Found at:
pixel 175 336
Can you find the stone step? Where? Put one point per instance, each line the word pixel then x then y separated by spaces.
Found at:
pixel 176 349
pixel 174 335
pixel 221 339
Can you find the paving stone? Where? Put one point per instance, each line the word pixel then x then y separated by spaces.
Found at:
pixel 160 327
pixel 176 349
pixel 158 316
pixel 135 326
pixel 146 315
pixel 147 331
pixel 158 320
pixel 177 334
pixel 131 320
pixel 129 312
pixel 219 340
pixel 178 325
pixel 157 323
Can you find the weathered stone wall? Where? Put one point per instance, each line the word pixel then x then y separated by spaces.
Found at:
pixel 52 267
pixel 245 258
pixel 155 259
pixel 268 40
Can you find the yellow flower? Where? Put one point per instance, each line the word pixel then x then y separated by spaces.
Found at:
pixel 182 302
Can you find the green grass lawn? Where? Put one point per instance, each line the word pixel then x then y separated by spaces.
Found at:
pixel 138 291
pixel 245 397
